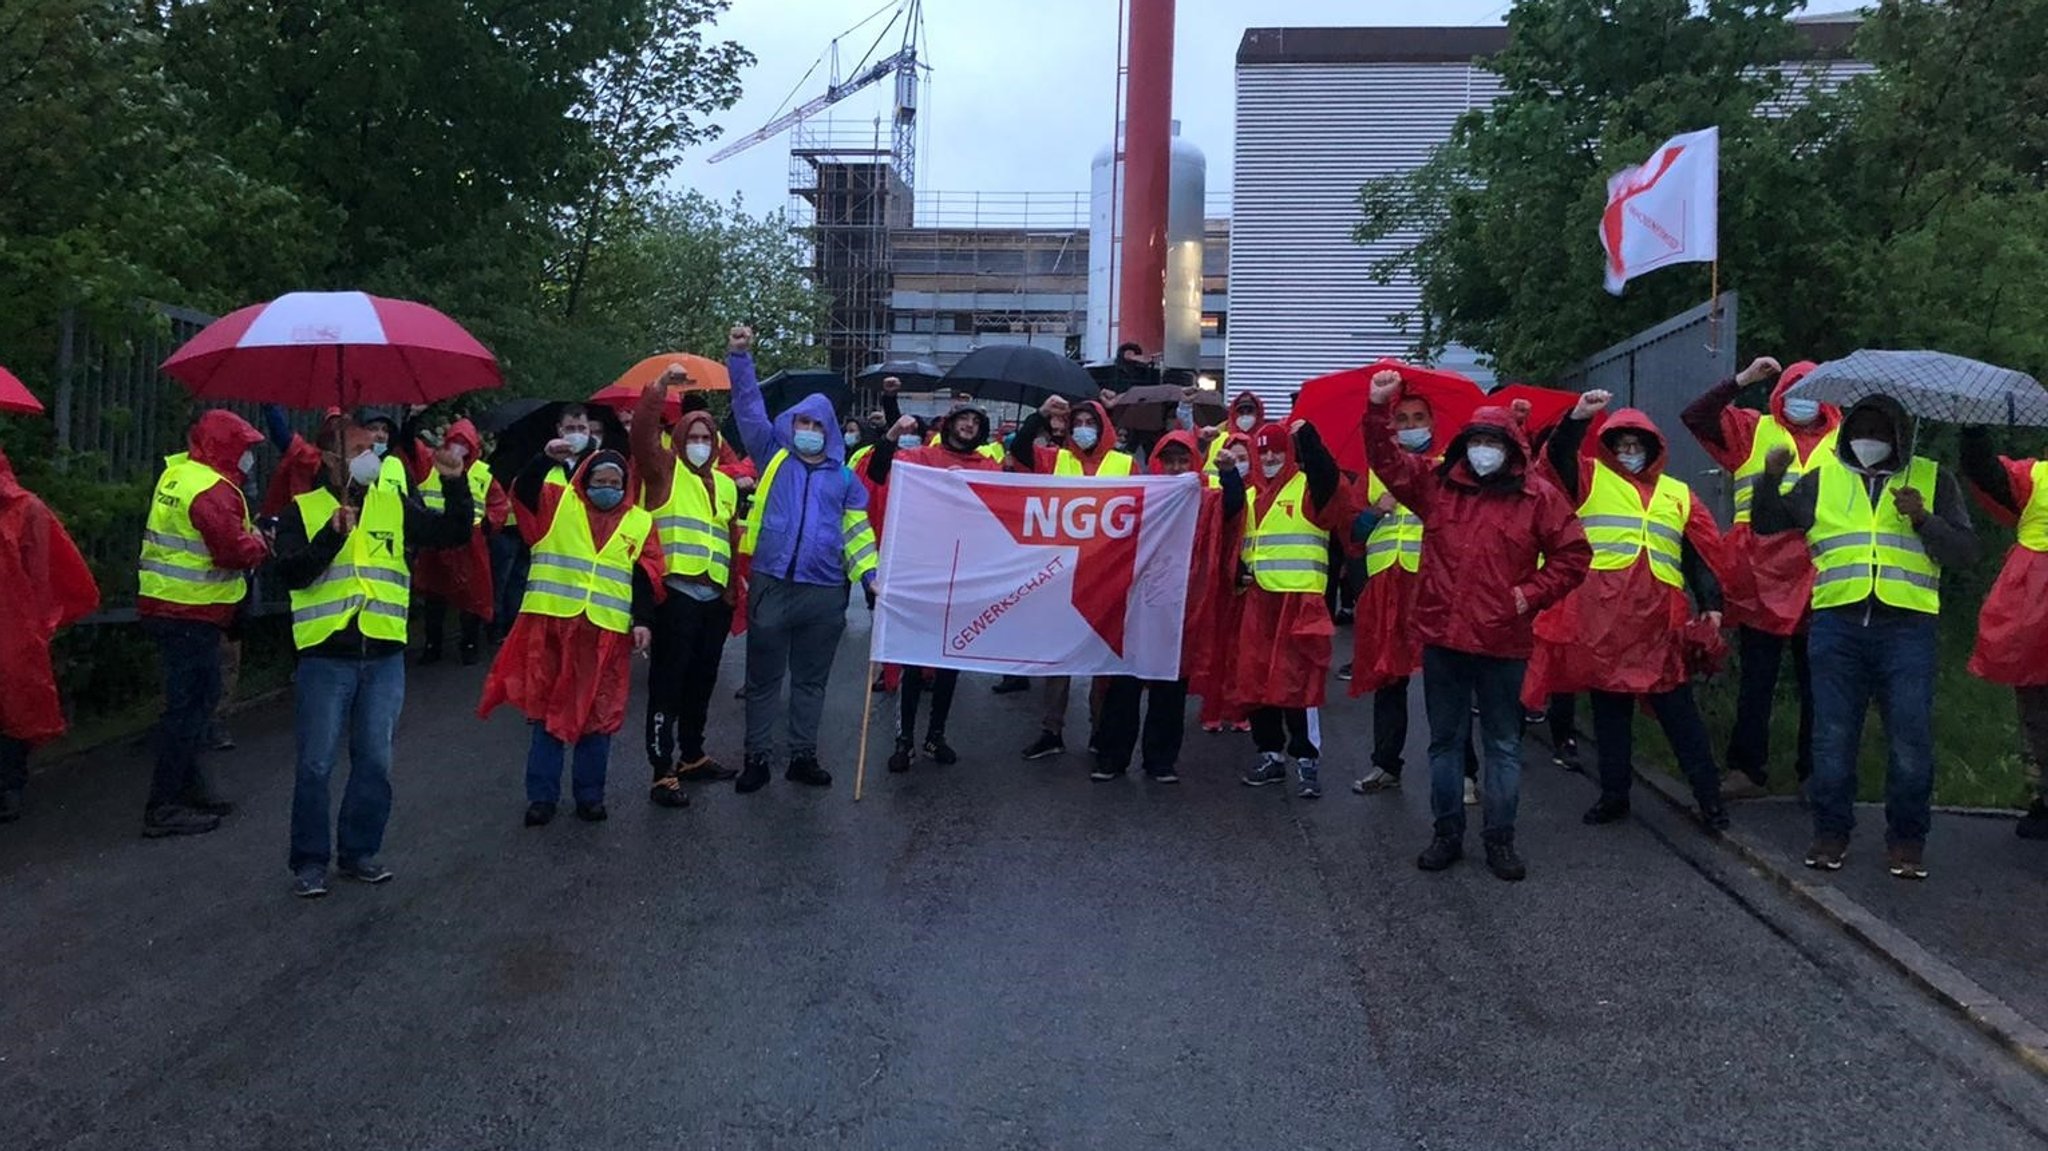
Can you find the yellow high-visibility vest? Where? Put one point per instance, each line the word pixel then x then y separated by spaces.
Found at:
pixel 569 578
pixel 436 501
pixel 695 526
pixel 857 535
pixel 1861 549
pixel 2033 528
pixel 1622 527
pixel 1284 549
pixel 1771 434
pixel 1113 464
pixel 1397 538
pixel 367 582
pixel 175 565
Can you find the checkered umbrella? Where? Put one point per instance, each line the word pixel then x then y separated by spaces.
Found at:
pixel 1930 385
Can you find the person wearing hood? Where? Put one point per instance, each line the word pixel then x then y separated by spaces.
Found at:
pixel 695 508
pixel 343 551
pixel 810 540
pixel 1280 660
pixel 198 546
pixel 1621 634
pixel 44 585
pixel 1498 546
pixel 1216 645
pixel 1881 524
pixel 1247 414
pixel 962 435
pixel 2012 627
pixel 460 577
pixel 597 563
pixel 1770 578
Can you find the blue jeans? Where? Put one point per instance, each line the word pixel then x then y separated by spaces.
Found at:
pixel 1453 681
pixel 544 768
pixel 362 698
pixel 1890 660
pixel 189 652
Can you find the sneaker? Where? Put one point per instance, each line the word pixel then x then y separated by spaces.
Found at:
pixel 1272 768
pixel 1103 773
pixel 1608 810
pixel 2034 824
pixel 220 739
pixel 1442 851
pixel 1308 775
pixel 539 814
pixel 1092 749
pixel 1011 684
pixel 309 882
pixel 1163 775
pixel 1375 781
pixel 1213 728
pixel 1502 860
pixel 899 760
pixel 1905 860
pixel 1344 673
pixel 1242 727
pixel 705 770
pixel 1344 617
pixel 366 871
pixel 806 770
pixel 1737 785
pixel 1566 756
pixel 1534 718
pixel 10 805
pixel 1046 744
pixel 1712 818
pixel 161 822
pixel 939 751
pixel 753 775
pixel 469 655
pixel 592 812
pixel 206 803
pixel 667 791
pixel 1471 792
pixel 1826 852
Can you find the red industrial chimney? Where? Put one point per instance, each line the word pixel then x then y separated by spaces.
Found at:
pixel 1148 152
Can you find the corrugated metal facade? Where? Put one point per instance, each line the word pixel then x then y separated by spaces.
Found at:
pixel 1302 299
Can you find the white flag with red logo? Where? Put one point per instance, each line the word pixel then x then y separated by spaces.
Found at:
pixel 1666 211
pixel 1035 575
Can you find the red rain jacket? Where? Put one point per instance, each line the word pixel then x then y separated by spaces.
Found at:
pixel 2012 628
pixel 462 576
pixel 1206 557
pixel 44 585
pixel 218 440
pixel 1280 656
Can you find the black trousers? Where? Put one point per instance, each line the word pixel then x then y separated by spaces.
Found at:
pixel 945 681
pixel 1676 711
pixel 1749 745
pixel 1390 731
pixel 13 764
pixel 689 641
pixel 1117 737
pixel 434 623
pixel 1284 729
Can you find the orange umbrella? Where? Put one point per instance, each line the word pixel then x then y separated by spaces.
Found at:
pixel 706 375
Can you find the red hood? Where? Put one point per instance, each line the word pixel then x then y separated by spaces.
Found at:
pixel 1635 421
pixel 10 488
pixel 1830 415
pixel 218 441
pixel 1268 438
pixel 1258 411
pixel 1185 440
pixel 463 432
pixel 1104 444
pixel 694 418
pixel 1500 422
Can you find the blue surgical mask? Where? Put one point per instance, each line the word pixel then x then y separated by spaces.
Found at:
pixel 1802 411
pixel 808 442
pixel 605 499
pixel 1414 439
pixel 1635 462
pixel 907 442
pixel 1085 437
pixel 380 448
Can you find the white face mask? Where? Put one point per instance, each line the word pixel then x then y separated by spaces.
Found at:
pixel 578 441
pixel 1269 470
pixel 1635 462
pixel 247 463
pixel 1802 411
pixel 460 452
pixel 697 454
pixel 1085 437
pixel 364 467
pixel 1870 453
pixel 1485 459
pixel 1245 422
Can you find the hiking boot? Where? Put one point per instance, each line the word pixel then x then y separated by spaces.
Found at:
pixel 539 814
pixel 1471 792
pixel 160 822
pixel 1741 785
pixel 1502 860
pixel 1904 860
pixel 1272 768
pixel 1308 775
pixel 1566 756
pixel 10 805
pixel 1442 851
pixel 667 791
pixel 310 882
pixel 1103 773
pixel 705 770
pixel 1712 818
pixel 1011 684
pixel 753 775
pixel 2034 824
pixel 899 761
pixel 806 770
pixel 592 812
pixel 939 751
pixel 365 871
pixel 1826 852
pixel 1046 744
pixel 1375 781
pixel 1609 809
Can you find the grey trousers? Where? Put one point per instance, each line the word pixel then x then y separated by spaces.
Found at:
pixel 793 629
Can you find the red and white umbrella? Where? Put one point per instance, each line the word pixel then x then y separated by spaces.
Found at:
pixel 349 349
pixel 15 396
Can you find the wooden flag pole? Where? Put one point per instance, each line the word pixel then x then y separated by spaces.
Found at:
pixel 867 712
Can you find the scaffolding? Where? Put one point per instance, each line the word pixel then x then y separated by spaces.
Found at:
pixel 850 189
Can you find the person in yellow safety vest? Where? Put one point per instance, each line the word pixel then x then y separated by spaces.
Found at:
pixel 462 577
pixel 588 607
pixel 580 433
pixel 2012 628
pixel 198 544
pixel 1283 639
pixel 1881 524
pixel 1247 414
pixel 1621 635
pixel 342 553
pixel 810 540
pixel 696 511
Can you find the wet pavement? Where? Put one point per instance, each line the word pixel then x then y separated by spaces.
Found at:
pixel 995 954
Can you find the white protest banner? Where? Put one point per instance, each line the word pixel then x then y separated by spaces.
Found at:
pixel 1035 575
pixel 1666 211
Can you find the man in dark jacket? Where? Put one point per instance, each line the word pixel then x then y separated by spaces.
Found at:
pixel 1498 546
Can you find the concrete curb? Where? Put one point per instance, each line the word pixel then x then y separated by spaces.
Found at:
pixel 2023 1037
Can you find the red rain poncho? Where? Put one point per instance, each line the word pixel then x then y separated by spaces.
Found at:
pixel 462 576
pixel 299 470
pixel 2012 628
pixel 1207 556
pixel 1384 647
pixel 569 674
pixel 1220 614
pixel 45 585
pixel 1280 655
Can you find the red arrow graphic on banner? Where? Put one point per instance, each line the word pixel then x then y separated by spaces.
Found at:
pixel 1100 522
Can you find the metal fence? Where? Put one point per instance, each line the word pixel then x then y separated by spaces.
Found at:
pixel 1662 369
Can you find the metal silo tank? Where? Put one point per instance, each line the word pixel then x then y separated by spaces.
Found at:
pixel 1187 191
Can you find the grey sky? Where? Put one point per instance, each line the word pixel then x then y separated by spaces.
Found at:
pixel 1022 92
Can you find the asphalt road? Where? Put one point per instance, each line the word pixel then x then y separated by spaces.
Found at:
pixel 996 954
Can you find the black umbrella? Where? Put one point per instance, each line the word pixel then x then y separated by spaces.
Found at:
pixel 917 375
pixel 506 414
pixel 523 438
pixel 1119 376
pixel 1019 373
pixel 783 389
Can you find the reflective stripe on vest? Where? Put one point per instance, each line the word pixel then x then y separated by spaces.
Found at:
pixel 436 501
pixel 1622 528
pixel 570 579
pixel 1397 538
pixel 1772 434
pixel 694 526
pixel 1861 549
pixel 1113 464
pixel 2033 527
pixel 175 564
pixel 857 535
pixel 368 580
pixel 1284 549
